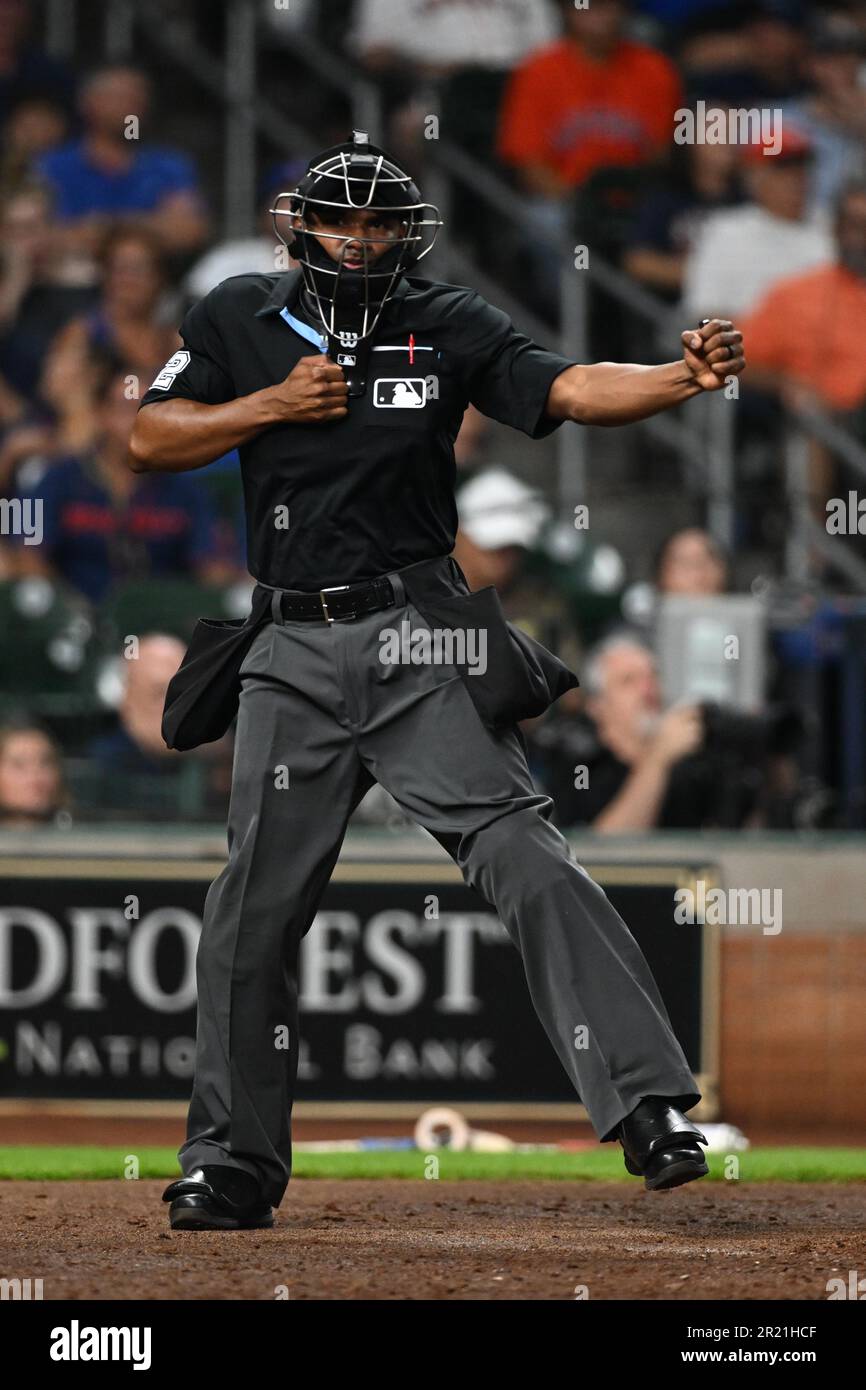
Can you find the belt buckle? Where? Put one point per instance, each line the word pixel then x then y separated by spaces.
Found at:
pixel 335 588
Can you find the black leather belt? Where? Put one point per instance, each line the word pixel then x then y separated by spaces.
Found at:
pixel 341 601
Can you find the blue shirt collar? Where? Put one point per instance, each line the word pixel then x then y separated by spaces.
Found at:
pixel 306 330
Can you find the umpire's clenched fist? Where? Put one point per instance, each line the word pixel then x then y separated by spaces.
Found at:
pixel 315 390
pixel 713 352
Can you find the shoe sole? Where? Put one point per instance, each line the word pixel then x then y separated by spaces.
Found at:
pixel 675 1174
pixel 192 1220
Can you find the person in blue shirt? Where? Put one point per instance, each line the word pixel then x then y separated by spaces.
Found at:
pixel 111 172
pixel 25 71
pixel 102 524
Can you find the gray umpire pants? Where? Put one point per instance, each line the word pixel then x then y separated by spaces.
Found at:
pixel 317 701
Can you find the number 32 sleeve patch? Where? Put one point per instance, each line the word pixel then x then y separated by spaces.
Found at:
pixel 172 368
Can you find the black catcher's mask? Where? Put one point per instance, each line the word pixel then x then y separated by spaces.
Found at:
pixel 355 175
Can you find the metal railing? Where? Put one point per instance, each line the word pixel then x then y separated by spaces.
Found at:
pixel 705 433
pixel 805 427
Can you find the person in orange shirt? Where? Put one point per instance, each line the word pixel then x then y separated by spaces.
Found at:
pixel 807 330
pixel 592 100
pixel 805 342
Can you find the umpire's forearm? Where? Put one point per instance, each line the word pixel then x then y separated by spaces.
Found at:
pixel 616 393
pixel 176 435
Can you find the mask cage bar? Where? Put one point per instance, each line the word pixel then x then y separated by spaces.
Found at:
pixel 298 207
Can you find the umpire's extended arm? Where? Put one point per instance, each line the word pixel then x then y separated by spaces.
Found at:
pixel 189 434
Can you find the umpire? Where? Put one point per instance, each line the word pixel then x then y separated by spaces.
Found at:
pixel 343 385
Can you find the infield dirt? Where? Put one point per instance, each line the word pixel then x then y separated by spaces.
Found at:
pixel 443 1240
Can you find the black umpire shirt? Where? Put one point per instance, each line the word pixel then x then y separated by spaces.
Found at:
pixel 346 500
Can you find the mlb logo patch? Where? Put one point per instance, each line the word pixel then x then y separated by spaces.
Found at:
pixel 400 393
pixel 346 359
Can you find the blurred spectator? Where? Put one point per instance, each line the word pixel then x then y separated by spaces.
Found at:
pixel 627 765
pixel 33 790
pixel 129 319
pixel 500 517
pixel 261 254
pixel 746 52
pixel 24 71
pixel 35 297
pixel 65 417
pixel 501 520
pixel 740 253
pixel 711 47
pixel 452 58
pixel 691 562
pixel 629 751
pixel 102 523
pixel 670 218
pixel 137 744
pixel 591 100
pixel 129 769
pixel 833 115
pixel 110 173
pixel 805 332
pixel 436 39
pixel 330 25
pixel 34 126
pixel 777 43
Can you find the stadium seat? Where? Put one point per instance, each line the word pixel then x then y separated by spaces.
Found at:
pixel 48 650
pixel 159 605
pixel 100 794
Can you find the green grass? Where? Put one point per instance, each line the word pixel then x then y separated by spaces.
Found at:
pixel 756 1165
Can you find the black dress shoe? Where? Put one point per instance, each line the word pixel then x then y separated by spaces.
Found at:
pixel 217 1198
pixel 661 1145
